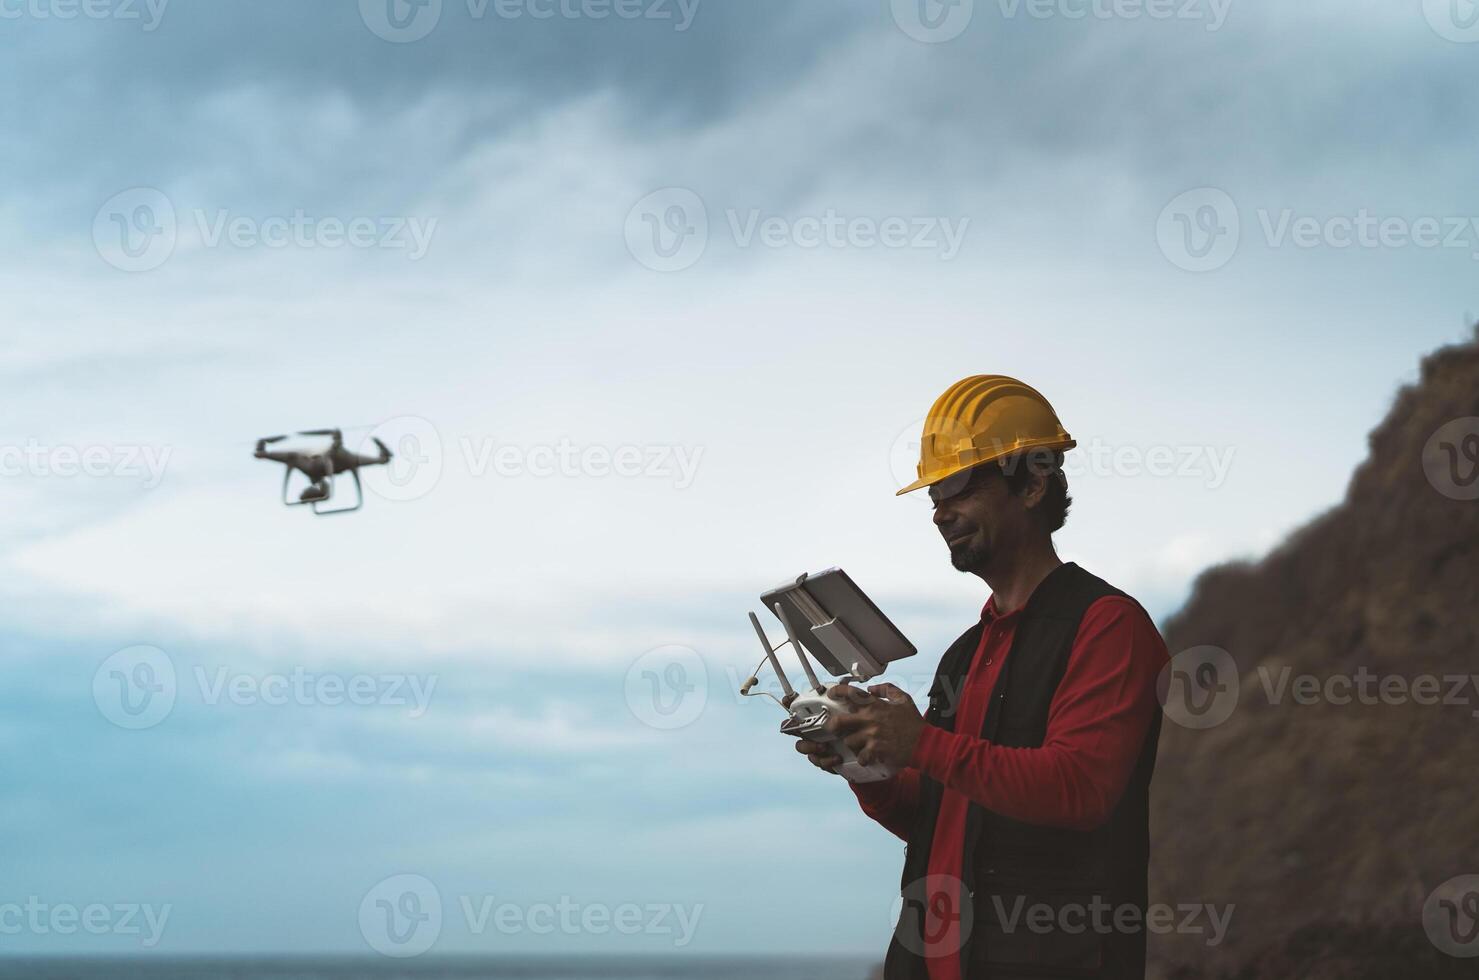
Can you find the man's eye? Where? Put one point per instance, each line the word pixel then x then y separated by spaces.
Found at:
pixel 955 485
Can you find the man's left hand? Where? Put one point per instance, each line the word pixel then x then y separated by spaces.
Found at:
pixel 882 729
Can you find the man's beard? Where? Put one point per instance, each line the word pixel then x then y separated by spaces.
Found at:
pixel 970 559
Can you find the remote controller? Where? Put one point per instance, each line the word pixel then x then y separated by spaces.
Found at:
pixel 810 713
pixel 840 650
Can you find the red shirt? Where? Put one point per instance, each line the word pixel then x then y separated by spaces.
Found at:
pixel 1096 726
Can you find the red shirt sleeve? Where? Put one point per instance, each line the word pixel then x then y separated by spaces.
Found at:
pixel 893 803
pixel 1096 724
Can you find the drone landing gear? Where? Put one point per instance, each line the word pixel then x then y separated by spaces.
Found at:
pixel 321 492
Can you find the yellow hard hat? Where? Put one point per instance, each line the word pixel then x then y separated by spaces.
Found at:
pixel 983 418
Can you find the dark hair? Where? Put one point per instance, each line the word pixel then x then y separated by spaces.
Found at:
pixel 1052 509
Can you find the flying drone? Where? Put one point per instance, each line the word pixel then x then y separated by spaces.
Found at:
pixel 320 467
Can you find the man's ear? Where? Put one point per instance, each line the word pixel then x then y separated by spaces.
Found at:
pixel 1037 488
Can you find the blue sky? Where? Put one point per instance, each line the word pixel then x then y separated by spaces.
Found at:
pixel 530 285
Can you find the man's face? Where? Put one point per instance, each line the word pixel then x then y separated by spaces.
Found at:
pixel 978 516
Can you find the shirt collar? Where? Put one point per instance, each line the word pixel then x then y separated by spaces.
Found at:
pixel 990 614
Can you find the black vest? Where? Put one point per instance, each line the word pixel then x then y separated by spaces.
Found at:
pixel 1011 866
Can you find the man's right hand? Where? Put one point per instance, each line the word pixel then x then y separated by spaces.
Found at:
pixel 820 753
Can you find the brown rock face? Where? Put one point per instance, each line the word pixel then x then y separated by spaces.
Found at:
pixel 1327 825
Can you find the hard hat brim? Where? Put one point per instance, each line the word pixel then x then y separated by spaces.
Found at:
pixel 1061 445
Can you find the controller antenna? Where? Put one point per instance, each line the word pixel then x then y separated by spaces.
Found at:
pixel 811 675
pixel 775 665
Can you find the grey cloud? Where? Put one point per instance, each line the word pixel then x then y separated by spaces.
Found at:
pixel 302 104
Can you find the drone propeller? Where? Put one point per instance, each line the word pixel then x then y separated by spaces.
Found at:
pixel 270 440
pixel 335 433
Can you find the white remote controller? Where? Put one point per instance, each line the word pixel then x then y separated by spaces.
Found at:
pixel 810 713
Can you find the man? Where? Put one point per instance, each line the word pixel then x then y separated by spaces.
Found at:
pixel 1023 792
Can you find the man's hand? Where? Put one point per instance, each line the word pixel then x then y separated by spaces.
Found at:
pixel 884 725
pixel 821 755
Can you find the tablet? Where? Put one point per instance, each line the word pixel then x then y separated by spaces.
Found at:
pixel 838 624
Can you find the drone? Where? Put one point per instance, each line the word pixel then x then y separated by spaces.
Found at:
pixel 321 467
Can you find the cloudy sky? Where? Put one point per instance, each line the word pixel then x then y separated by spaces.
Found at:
pixel 650 298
